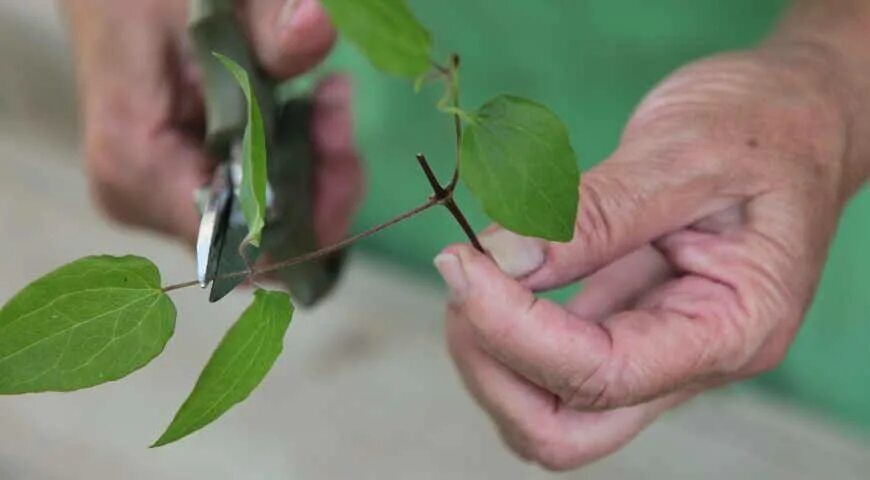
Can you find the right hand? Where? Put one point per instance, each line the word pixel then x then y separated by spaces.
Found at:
pixel 700 242
pixel 143 114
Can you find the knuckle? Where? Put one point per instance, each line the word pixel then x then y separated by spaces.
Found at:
pixel 766 363
pixel 720 332
pixel 115 173
pixel 540 439
pixel 494 336
pixel 595 227
pixel 591 391
pixel 289 56
pixel 755 335
pixel 771 356
pixel 455 334
pixel 554 456
pixel 106 179
pixel 594 388
pixel 733 338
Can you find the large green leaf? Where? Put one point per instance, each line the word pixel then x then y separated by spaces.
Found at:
pixel 517 160
pixel 241 361
pixel 386 32
pixel 89 322
pixel 254 177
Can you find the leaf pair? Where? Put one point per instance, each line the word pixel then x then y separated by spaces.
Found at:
pixel 250 348
pixel 516 155
pixel 102 318
pixel 99 319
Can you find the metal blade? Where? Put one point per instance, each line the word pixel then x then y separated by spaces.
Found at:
pixel 211 227
pixel 234 230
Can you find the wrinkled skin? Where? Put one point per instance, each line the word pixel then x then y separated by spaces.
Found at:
pixel 143 116
pixel 700 242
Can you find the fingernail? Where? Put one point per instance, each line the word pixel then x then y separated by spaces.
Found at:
pixel 515 255
pixel 451 269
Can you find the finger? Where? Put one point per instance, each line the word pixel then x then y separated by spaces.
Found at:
pixel 531 420
pixel 753 262
pixel 612 288
pixel 629 200
pixel 619 285
pixel 142 188
pixel 519 408
pixel 538 339
pixel 288 36
pixel 687 334
pixel 338 172
pixel 143 169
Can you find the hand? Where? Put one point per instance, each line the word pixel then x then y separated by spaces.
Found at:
pixel 143 114
pixel 699 243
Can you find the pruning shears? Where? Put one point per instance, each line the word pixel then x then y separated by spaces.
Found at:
pixel 289 229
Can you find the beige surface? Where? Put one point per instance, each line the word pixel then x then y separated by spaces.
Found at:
pixel 364 389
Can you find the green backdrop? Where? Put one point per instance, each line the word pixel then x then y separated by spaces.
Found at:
pixel 592 61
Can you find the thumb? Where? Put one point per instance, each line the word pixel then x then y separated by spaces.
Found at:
pixel 289 37
pixel 629 200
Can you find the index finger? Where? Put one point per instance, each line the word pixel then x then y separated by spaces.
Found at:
pixel 629 358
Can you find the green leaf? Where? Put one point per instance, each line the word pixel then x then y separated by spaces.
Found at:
pixel 517 160
pixel 254 177
pixel 239 364
pixel 386 32
pixel 89 322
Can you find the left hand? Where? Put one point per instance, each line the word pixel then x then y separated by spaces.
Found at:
pixel 700 243
pixel 143 114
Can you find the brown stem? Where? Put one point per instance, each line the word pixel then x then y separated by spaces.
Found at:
pixel 442 195
pixel 350 240
pixel 451 206
pixel 446 196
pixel 321 252
pixel 179 286
pixel 430 175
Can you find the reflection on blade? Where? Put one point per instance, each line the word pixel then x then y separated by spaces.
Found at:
pixel 234 230
pixel 212 226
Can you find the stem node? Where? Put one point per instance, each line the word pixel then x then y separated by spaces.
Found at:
pixel 444 196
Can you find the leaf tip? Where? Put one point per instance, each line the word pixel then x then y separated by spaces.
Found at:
pixel 159 443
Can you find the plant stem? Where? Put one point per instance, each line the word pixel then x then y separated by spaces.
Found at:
pixel 451 206
pixel 179 286
pixel 442 195
pixel 321 252
pixel 449 103
pixel 430 175
pixel 446 194
pixel 453 79
pixel 350 240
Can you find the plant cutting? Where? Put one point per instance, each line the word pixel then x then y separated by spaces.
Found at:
pixel 101 318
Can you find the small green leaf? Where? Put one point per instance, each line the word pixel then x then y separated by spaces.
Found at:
pixel 254 176
pixel 386 32
pixel 89 322
pixel 237 366
pixel 517 160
